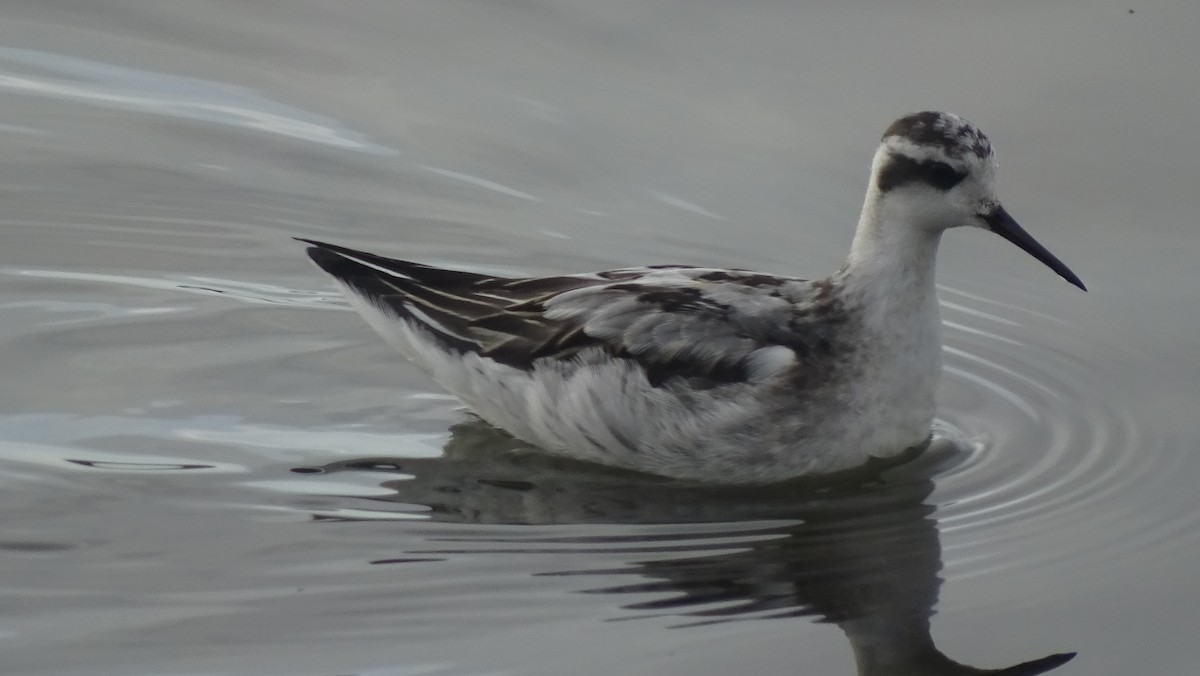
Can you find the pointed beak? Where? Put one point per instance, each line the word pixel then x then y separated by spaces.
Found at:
pixel 1002 224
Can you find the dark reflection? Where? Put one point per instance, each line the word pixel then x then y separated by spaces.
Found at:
pixel 862 552
pixel 137 466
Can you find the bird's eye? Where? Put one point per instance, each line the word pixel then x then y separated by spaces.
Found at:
pixel 901 170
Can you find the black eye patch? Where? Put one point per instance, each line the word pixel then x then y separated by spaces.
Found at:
pixel 900 170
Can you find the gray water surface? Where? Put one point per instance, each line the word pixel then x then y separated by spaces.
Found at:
pixel 210 465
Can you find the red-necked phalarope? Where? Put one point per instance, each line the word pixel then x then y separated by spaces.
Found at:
pixel 707 374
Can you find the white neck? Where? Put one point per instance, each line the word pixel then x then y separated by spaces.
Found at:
pixel 891 646
pixel 889 281
pixel 890 269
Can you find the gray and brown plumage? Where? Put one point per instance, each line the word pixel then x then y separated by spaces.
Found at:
pixel 702 373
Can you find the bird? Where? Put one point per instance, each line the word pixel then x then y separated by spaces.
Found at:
pixel 705 374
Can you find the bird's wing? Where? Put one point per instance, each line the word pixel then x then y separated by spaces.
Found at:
pixel 720 325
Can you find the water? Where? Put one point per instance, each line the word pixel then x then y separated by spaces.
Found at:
pixel 210 465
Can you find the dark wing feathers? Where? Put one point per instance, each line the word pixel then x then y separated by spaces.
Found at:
pixel 675 321
pixel 346 260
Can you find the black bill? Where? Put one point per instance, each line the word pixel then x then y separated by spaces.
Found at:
pixel 1002 224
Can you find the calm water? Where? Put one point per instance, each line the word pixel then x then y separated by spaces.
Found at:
pixel 210 465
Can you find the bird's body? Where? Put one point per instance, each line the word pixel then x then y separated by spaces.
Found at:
pixel 708 374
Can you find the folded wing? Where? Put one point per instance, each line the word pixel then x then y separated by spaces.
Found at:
pixel 674 321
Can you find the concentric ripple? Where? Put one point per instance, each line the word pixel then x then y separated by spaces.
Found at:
pixel 1061 460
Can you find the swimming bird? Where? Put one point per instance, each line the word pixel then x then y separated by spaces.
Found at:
pixel 714 375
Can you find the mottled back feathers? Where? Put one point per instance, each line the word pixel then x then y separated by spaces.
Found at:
pixel 704 325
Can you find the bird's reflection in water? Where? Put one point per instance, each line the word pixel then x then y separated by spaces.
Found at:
pixel 862 553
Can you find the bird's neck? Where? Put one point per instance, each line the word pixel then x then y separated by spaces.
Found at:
pixel 888 283
pixel 890 270
pixel 895 645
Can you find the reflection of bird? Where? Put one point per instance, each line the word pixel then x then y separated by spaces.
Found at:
pixel 709 374
pixel 864 557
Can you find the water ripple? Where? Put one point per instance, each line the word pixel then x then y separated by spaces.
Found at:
pixel 63 77
pixel 1059 459
pixel 239 290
